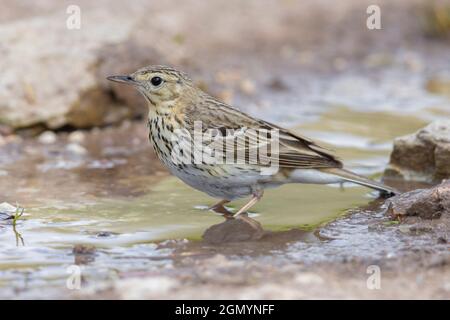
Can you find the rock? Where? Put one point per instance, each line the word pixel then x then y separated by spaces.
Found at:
pixel 5 207
pixel 277 84
pixel 84 249
pixel 7 210
pixel 422 156
pixel 47 137
pixel 76 137
pixel 105 234
pixel 234 230
pixel 84 253
pixel 442 240
pixel 49 73
pixel 430 203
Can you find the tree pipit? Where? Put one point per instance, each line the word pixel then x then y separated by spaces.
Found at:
pixel 217 149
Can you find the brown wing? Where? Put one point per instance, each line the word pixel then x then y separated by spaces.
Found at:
pixel 294 151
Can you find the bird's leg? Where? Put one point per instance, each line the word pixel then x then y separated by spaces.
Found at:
pixel 220 208
pixel 256 197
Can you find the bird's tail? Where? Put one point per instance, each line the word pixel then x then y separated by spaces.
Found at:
pixel 353 177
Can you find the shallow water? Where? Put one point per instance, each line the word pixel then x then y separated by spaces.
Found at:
pixel 116 196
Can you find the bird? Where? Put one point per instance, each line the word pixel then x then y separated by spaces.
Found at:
pixel 268 155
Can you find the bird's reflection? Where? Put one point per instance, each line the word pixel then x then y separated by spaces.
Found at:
pixel 242 228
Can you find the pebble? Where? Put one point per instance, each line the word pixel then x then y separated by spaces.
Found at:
pixel 104 234
pixel 83 249
pixel 277 84
pixel 84 254
pixel 7 208
pixel 76 137
pixel 76 149
pixel 47 137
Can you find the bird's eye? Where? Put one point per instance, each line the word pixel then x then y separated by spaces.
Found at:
pixel 156 81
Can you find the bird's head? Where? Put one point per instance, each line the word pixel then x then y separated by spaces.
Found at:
pixel 160 85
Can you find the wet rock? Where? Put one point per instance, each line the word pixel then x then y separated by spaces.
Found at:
pixel 76 149
pixel 422 156
pixel 424 203
pixel 105 234
pixel 7 211
pixel 48 71
pixel 234 230
pixel 442 240
pixel 83 249
pixel 47 137
pixel 84 254
pixel 76 137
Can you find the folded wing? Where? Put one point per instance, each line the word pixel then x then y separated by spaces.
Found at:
pixel 238 132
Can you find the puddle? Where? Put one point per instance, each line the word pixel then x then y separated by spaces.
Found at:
pixel 113 194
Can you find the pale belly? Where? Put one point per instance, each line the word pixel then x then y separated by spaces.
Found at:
pixel 220 181
pixel 232 185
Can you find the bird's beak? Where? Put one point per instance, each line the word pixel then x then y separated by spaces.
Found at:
pixel 122 79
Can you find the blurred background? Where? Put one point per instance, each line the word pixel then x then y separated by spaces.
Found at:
pixel 74 148
pixel 54 76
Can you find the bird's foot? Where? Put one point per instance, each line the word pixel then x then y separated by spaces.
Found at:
pixel 221 209
pixel 253 223
pixel 227 214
